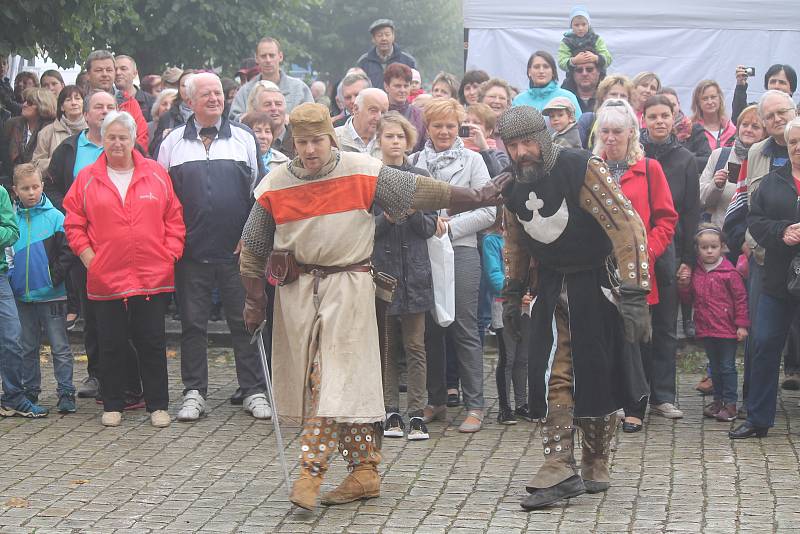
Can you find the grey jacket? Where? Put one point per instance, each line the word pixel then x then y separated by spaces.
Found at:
pixel 345 135
pixel 468 171
pixel 294 90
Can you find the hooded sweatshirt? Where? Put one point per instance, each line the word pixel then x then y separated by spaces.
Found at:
pixel 41 255
pixel 538 97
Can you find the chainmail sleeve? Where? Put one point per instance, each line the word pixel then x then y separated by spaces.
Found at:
pixel 398 191
pixel 257 240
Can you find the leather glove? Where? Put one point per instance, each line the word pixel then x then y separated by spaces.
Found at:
pixel 255 302
pixel 635 314
pixel 464 198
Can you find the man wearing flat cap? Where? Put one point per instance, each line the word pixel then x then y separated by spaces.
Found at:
pixel 312 230
pixel 384 53
pixel 566 211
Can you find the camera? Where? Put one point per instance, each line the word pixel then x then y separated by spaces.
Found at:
pixel 463 131
pixel 750 71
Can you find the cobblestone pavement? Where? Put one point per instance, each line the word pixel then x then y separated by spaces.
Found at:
pixel 69 474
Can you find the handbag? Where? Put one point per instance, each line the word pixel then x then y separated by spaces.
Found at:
pixel 440 251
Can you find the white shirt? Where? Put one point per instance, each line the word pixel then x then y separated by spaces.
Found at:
pixel 121 179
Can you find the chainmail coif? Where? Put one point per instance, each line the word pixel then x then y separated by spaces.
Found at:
pixel 526 122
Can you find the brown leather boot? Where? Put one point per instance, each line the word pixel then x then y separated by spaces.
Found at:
pixel 363 482
pixel 305 490
pixel 597 435
pixel 359 445
pixel 557 442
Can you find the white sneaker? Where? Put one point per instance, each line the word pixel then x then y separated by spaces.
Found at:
pixel 194 405
pixel 111 418
pixel 666 409
pixel 257 406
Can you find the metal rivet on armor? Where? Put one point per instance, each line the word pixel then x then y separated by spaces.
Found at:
pixel 603 170
pixel 358 438
pixel 347 439
pixel 322 447
pixel 588 201
pixel 355 454
pixel 331 443
pixel 641 247
pixel 606 418
pixel 545 439
pixel 609 201
pixel 615 210
pixel 328 430
pixel 645 283
pixel 316 431
pixel 354 430
pixel 310 454
pixel 608 226
pixel 595 210
pixel 621 197
pixel 364 430
pixel 557 437
pixel 304 448
pixel 558 448
pixel 631 275
pixel 362 446
pixel 547 450
pixel 631 266
pixel 595 187
pixel 333 435
pixel 606 427
pixel 345 452
pixel 644 265
pixel 602 194
pixel 609 180
pixel 368 438
pixel 630 212
pixel 602 217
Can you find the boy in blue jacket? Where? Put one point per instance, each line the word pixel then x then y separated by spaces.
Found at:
pixel 41 258
pixel 13 401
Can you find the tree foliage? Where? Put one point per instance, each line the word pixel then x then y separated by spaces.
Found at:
pixel 63 29
pixel 430 31
pixel 331 34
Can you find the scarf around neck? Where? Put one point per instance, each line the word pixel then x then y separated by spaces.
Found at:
pixel 436 161
pixel 740 149
pixel 75 126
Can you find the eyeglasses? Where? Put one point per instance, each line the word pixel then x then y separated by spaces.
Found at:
pixel 587 70
pixel 782 113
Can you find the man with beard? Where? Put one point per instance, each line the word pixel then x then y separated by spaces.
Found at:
pixel 564 210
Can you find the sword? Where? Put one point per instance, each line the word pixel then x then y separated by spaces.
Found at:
pixel 259 340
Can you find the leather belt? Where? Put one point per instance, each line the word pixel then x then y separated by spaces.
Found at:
pixel 320 271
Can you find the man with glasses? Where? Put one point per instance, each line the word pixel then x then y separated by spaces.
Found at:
pixel 583 81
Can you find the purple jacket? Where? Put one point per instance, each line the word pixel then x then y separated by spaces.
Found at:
pixel 720 300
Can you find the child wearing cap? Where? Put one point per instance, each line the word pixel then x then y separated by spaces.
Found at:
pixel 561 113
pixel 581 45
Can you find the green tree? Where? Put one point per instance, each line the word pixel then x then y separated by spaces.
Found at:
pixel 430 31
pixel 191 33
pixel 204 33
pixel 63 29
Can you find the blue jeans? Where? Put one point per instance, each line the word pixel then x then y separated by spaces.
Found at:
pixel 50 317
pixel 722 361
pixel 10 349
pixel 772 323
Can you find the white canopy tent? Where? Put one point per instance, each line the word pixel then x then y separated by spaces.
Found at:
pixel 683 41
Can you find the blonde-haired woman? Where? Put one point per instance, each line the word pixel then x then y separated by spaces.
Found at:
pixel 642 180
pixel 717 185
pixel 708 108
pixel 446 158
pixel 401 251
pixel 645 85
pixel 21 134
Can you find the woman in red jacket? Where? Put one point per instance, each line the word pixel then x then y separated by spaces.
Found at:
pixel 642 180
pixel 126 225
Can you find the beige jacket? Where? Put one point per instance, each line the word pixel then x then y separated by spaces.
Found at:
pixel 50 137
pixel 757 168
pixel 349 141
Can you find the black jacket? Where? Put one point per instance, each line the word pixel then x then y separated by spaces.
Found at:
pixel 680 168
pixel 774 206
pixel 59 177
pixel 697 144
pixel 373 66
pixel 401 250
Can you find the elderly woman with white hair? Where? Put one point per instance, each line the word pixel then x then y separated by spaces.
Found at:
pixel 774 222
pixel 642 180
pixel 125 223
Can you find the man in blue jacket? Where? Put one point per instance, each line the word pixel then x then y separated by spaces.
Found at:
pixel 384 53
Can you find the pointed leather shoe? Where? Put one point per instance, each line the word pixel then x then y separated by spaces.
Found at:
pixel 747 430
pixel 571 487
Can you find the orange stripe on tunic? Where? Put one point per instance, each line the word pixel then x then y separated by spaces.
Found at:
pixel 312 199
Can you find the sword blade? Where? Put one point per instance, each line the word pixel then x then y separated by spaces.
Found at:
pixel 259 341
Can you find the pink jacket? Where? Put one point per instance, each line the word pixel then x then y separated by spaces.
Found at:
pixel 720 301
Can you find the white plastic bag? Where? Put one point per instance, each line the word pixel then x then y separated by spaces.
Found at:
pixel 440 251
